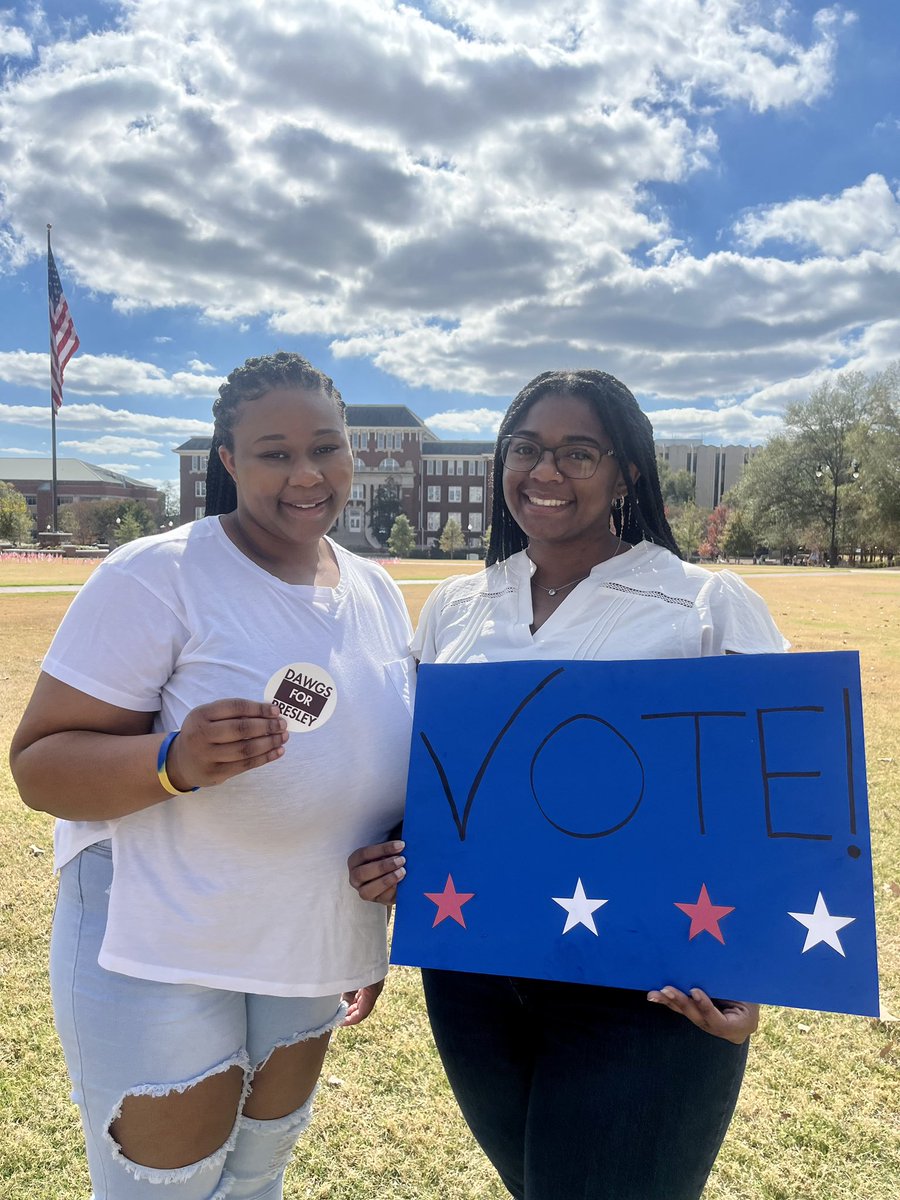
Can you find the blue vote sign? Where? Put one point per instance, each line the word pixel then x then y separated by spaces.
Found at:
pixel 700 822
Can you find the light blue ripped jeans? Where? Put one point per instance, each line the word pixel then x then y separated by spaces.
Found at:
pixel 123 1036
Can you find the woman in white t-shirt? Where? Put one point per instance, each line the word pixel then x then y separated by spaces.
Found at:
pixel 204 728
pixel 574 1090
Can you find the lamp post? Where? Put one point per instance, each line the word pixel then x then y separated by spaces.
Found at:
pixel 838 476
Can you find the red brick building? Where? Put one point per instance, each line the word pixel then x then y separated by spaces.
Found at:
pixel 437 480
pixel 75 480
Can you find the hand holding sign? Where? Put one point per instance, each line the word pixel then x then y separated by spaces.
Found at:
pixel 376 870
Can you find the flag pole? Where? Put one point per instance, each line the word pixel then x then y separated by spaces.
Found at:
pixel 53 509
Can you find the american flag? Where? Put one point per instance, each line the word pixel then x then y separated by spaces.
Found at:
pixel 63 338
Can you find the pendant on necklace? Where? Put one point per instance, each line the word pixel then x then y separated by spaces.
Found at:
pixel 551 591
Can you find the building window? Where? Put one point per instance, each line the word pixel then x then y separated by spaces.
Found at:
pixel 354 522
pixel 199 488
pixel 434 493
pixel 454 495
pixel 199 512
pixel 457 517
pixel 475 495
pixel 389 464
pixel 354 441
pixel 433 522
pixel 398 441
pixel 479 466
pixel 379 441
pixel 358 464
pixel 31 501
pixel 64 500
pixel 475 523
pixel 357 491
pixel 198 463
pixel 438 466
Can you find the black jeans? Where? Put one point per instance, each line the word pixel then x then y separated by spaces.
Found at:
pixel 583 1093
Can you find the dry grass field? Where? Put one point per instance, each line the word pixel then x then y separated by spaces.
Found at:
pixel 819 1117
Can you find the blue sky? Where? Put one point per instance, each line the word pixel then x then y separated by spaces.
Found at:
pixel 435 203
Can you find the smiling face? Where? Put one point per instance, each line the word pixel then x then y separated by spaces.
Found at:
pixel 549 507
pixel 292 467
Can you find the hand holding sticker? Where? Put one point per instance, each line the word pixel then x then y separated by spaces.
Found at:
pixel 305 694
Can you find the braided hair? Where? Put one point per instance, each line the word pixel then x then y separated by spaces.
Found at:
pixel 251 381
pixel 641 516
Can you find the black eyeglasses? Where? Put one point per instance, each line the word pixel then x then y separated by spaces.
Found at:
pixel 575 460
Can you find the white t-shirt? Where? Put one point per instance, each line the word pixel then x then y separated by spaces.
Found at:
pixel 645 603
pixel 244 885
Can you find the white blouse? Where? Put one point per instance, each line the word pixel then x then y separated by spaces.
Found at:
pixel 645 603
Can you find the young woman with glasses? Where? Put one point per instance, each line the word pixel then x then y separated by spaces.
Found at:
pixel 575 1090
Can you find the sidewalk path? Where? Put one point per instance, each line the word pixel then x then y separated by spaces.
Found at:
pixel 761 573
pixel 17 589
pixel 14 589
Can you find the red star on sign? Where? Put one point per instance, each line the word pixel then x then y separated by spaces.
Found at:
pixel 449 903
pixel 705 916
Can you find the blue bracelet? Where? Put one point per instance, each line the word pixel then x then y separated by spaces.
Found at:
pixel 161 766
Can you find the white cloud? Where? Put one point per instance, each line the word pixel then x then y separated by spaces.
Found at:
pixel 108 375
pixel 470 422
pixel 96 416
pixel 17 450
pixel 14 41
pixel 733 424
pixel 463 193
pixel 109 444
pixel 730 47
pixel 863 217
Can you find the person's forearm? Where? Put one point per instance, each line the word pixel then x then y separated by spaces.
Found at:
pixel 86 776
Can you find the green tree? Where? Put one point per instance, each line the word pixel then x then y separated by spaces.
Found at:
pixel 80 518
pixel 16 523
pixel 826 431
pixel 171 505
pixel 385 509
pixel 111 515
pixel 737 536
pixel 879 456
pixel 780 497
pixel 127 529
pixel 402 540
pixel 689 526
pixel 677 486
pixel 452 537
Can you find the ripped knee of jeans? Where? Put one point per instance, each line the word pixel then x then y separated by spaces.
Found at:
pixel 169 1132
pixel 263 1148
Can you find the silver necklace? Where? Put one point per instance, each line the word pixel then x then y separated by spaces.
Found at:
pixel 561 587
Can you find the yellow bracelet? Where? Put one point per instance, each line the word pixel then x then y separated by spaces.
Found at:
pixel 161 772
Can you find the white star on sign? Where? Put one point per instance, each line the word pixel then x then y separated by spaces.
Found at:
pixel 579 908
pixel 822 926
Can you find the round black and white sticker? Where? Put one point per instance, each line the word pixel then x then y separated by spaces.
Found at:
pixel 305 693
